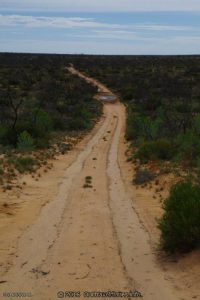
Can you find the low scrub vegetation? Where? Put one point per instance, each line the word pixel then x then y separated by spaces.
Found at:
pixel 88 182
pixel 39 96
pixel 25 142
pixel 25 164
pixel 40 100
pixel 180 224
pixel 152 150
pixel 143 176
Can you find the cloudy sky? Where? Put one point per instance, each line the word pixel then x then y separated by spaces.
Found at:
pixel 100 26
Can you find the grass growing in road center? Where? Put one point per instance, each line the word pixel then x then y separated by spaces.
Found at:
pixel 88 182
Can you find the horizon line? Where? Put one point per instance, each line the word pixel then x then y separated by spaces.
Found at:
pixel 92 54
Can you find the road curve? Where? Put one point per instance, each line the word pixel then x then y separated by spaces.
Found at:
pixel 89 238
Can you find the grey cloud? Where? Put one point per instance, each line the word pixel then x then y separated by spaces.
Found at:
pixel 103 5
pixel 76 22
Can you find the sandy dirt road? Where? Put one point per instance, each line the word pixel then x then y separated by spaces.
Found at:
pixel 89 238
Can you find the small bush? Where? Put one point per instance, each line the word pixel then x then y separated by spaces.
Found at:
pixel 180 224
pixel 25 142
pixel 189 147
pixel 88 182
pixel 88 179
pixel 43 142
pixel 143 176
pixel 64 148
pixel 79 123
pixel 160 149
pixel 25 164
pixel 43 123
pixel 87 185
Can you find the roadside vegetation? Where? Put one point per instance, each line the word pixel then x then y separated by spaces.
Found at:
pixel 180 225
pixel 42 107
pixel 162 97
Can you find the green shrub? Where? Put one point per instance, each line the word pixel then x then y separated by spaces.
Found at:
pixel 143 176
pixel 138 127
pixel 160 149
pixel 25 142
pixel 163 149
pixel 189 147
pixel 79 123
pixel 180 224
pixel 88 179
pixel 43 122
pixel 87 185
pixel 42 142
pixel 25 164
pixel 144 127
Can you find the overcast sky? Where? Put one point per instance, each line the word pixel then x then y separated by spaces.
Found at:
pixel 100 26
pixel 104 5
